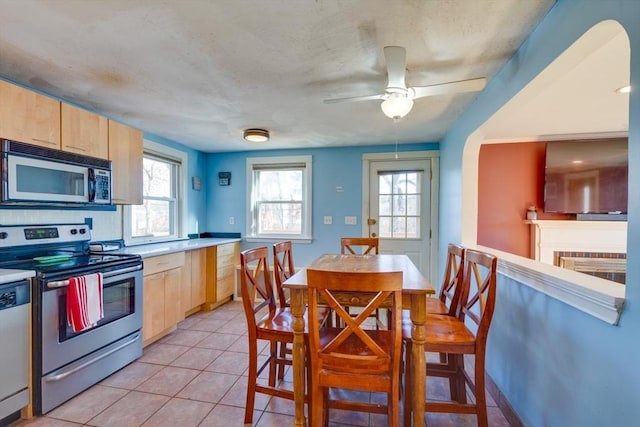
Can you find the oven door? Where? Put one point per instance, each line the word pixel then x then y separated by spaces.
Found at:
pixel 122 304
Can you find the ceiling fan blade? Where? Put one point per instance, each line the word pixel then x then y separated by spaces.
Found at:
pixel 471 85
pixel 396 59
pixel 353 98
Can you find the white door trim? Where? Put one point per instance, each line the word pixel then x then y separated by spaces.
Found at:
pixel 434 157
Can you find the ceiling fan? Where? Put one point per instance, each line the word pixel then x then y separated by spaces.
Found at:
pixel 397 99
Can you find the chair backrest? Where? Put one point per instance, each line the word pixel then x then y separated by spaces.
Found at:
pixel 283 268
pixel 479 292
pixel 359 245
pixel 256 287
pixel 450 292
pixel 352 349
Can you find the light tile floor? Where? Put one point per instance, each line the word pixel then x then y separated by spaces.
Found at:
pixel 195 376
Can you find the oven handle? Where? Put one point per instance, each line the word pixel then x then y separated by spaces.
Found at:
pixel 92 361
pixel 63 283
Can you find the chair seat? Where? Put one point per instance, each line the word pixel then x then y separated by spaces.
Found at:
pixel 444 334
pixel 282 321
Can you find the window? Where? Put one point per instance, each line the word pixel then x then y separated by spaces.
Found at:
pixel 399 204
pixel 279 198
pixel 159 218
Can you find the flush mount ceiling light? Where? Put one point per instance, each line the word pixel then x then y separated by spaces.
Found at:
pixel 256 135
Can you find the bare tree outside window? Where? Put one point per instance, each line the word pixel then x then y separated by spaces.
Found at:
pixel 156 216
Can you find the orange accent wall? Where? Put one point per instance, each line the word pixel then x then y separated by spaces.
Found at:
pixel 510 179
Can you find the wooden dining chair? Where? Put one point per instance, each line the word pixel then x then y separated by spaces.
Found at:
pixel 283 268
pixel 362 246
pixel 458 335
pixel 264 322
pixel 354 357
pixel 448 301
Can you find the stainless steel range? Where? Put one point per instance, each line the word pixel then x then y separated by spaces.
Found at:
pixel 66 362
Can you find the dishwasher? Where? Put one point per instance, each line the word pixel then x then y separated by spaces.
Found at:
pixel 14 339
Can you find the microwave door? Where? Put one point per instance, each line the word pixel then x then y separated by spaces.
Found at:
pixel 36 180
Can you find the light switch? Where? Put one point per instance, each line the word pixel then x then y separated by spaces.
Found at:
pixel 350 220
pixel 232 220
pixel 328 220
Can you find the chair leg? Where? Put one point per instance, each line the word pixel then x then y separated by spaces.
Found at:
pixel 481 400
pixel 251 382
pixel 458 379
pixel 393 405
pixel 283 355
pixel 273 351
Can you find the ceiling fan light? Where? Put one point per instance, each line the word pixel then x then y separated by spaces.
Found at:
pixel 396 107
pixel 256 135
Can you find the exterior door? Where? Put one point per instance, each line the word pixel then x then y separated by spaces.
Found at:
pixel 400 209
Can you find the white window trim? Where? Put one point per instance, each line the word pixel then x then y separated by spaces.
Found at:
pixel 181 232
pixel 308 208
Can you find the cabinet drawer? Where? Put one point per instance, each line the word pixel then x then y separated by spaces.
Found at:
pixel 163 262
pixel 226 260
pixel 225 271
pixel 227 249
pixel 225 288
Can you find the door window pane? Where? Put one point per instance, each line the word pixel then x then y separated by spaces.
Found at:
pixel 399 204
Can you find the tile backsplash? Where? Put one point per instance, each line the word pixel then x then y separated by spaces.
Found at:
pixel 107 225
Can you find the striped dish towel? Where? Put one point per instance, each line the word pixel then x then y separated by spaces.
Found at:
pixel 84 301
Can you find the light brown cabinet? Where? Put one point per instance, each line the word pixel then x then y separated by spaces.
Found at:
pixel 125 153
pixel 194 285
pixel 162 309
pixel 27 116
pixel 83 132
pixel 221 263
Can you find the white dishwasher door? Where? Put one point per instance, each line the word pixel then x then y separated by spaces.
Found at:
pixel 14 341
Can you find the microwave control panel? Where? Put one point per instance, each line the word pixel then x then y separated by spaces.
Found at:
pixel 103 186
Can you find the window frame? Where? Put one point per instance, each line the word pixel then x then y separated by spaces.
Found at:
pixel 153 149
pixel 287 162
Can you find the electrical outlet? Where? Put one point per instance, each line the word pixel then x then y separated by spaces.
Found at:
pixel 328 220
pixel 232 220
pixel 350 220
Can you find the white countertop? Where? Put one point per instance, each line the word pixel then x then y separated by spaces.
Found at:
pixel 8 275
pixel 155 249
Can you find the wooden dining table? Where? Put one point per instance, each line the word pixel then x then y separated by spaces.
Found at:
pixel 415 288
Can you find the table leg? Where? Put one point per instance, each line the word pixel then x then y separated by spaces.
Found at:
pixel 418 317
pixel 297 310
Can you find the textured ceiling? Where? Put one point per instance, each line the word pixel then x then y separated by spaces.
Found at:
pixel 200 72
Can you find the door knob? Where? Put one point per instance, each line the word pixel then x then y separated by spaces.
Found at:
pixel 371 221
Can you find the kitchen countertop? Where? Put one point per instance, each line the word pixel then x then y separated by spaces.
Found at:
pixel 155 249
pixel 9 275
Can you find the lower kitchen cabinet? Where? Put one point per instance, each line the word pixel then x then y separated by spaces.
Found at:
pixel 221 264
pixel 194 281
pixel 162 284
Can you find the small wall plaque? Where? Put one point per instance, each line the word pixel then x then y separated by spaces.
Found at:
pixel 224 178
pixel 196 183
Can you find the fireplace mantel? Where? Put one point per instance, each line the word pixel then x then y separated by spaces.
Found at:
pixel 550 236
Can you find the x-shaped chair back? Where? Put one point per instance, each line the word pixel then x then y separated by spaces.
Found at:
pixel 479 291
pixel 450 292
pixel 255 280
pixel 283 268
pixel 359 245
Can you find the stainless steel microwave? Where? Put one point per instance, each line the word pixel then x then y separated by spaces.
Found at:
pixel 33 175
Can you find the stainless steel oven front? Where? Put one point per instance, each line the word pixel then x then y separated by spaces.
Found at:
pixel 68 362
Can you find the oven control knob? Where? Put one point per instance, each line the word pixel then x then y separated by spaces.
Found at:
pixel 74 231
pixel 3 235
pixel 83 231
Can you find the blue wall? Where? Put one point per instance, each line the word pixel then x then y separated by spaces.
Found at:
pixel 556 365
pixel 197 167
pixel 332 167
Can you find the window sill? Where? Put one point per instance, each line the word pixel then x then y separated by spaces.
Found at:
pixel 278 239
pixel 597 297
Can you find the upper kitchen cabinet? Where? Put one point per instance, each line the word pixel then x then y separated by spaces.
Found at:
pixel 125 153
pixel 27 116
pixel 84 132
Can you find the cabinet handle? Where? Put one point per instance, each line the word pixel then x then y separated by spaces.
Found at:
pixel 75 148
pixel 44 141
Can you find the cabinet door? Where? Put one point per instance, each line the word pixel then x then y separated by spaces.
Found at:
pixel 84 132
pixel 153 305
pixel 172 308
pixel 227 258
pixel 185 288
pixel 198 277
pixel 125 153
pixel 27 116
